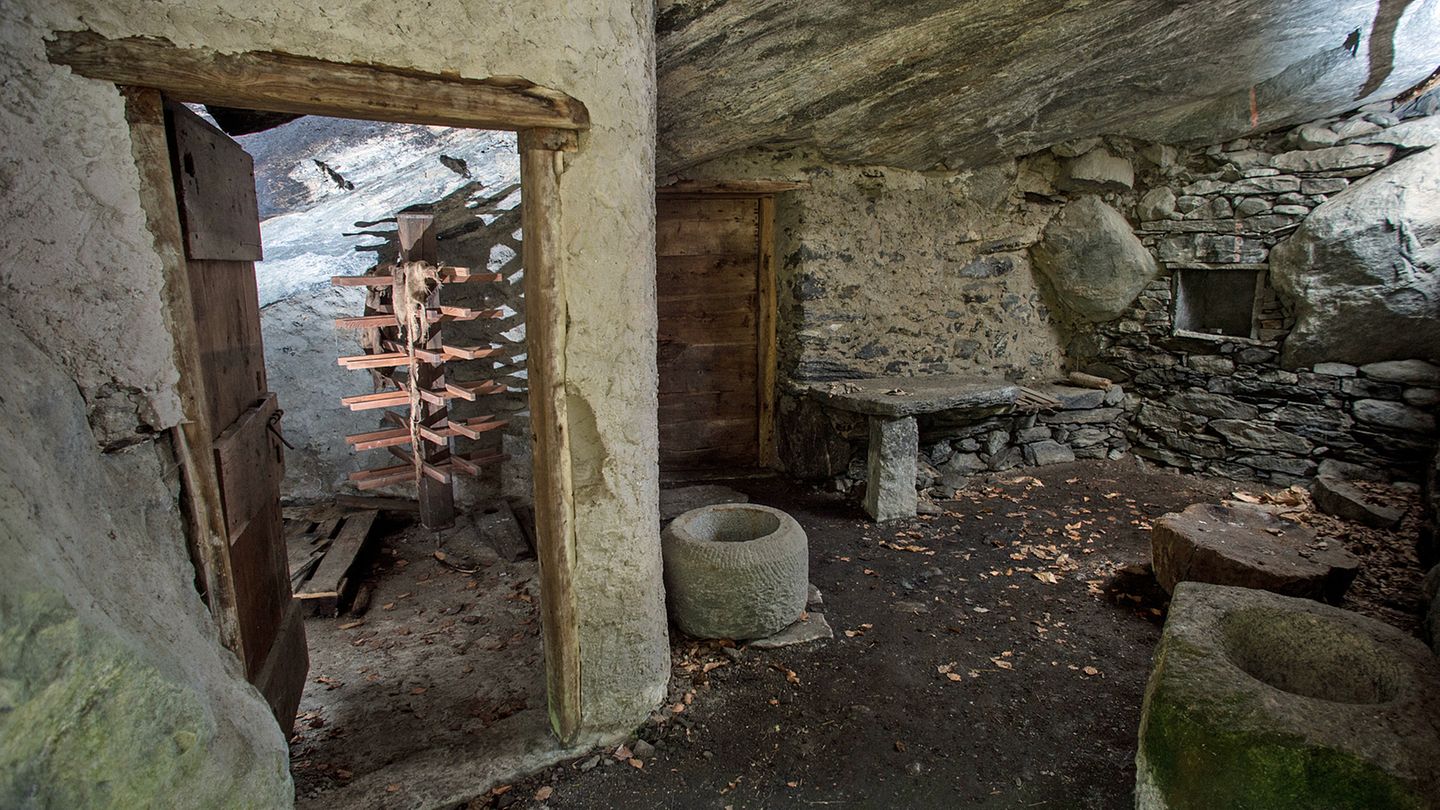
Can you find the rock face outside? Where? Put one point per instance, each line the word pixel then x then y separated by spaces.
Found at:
pixel 1248 547
pixel 1093 260
pixel 1263 701
pixel 1367 262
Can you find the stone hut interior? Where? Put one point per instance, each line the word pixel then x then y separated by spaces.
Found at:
pixel 716 403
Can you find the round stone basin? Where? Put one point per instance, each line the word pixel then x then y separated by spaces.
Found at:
pixel 1307 655
pixel 738 571
pixel 737 524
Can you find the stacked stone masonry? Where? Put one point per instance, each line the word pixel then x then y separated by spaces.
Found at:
pixel 1197 333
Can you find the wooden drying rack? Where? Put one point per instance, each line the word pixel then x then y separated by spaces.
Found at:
pixel 397 367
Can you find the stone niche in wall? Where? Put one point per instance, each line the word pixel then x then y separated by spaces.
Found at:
pixel 1217 302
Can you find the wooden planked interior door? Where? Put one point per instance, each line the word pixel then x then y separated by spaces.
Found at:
pixel 712 299
pixel 215 191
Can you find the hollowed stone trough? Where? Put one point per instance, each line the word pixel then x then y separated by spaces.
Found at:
pixel 1264 701
pixel 738 571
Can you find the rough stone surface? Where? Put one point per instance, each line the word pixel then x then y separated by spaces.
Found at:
pixel 737 571
pixel 926 83
pixel 1157 203
pixel 1093 260
pixel 890 483
pixel 114 689
pixel 1342 499
pixel 1247 547
pixel 1258 700
pixel 1367 262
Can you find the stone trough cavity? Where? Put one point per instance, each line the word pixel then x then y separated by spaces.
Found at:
pixel 1268 701
pixel 736 571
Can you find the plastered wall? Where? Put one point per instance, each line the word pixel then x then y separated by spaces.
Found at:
pixel 82 283
pixel 886 271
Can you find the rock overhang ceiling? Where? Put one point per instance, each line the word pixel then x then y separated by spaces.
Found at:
pixel 935 84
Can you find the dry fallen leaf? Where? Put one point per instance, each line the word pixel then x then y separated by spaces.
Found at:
pixel 635 763
pixel 1046 577
pixel 1091 671
pixel 544 793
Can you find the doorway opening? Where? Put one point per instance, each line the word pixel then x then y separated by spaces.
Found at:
pixel 228 447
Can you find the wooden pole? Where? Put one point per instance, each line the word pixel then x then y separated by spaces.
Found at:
pixel 437 499
pixel 145 112
pixel 541 162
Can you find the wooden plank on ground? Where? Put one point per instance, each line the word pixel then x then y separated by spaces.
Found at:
pixel 324 587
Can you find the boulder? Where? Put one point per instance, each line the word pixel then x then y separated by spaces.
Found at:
pixel 1260 701
pixel 1340 498
pixel 1249 547
pixel 1367 262
pixel 1093 261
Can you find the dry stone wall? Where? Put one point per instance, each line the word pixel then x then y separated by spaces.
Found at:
pixel 1147 263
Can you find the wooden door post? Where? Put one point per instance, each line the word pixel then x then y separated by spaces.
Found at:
pixel 437 498
pixel 542 155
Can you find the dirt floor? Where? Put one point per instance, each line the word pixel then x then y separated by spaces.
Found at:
pixel 978 659
pixel 989 656
pixel 438 683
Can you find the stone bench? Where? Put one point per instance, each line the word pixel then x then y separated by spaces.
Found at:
pixel 891 405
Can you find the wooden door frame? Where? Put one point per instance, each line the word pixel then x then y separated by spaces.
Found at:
pixel 763 193
pixel 148 70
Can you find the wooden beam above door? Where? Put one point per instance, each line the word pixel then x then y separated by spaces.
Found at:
pixel 281 82
pixel 731 187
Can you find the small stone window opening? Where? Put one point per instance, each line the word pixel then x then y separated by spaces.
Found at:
pixel 1213 302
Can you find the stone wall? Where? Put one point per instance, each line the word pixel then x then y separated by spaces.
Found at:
pixel 1229 404
pixel 82 282
pixel 889 271
pixel 1073 258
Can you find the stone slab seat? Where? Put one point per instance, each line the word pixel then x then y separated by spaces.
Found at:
pixel 892 403
pixel 1273 703
pixel 1248 546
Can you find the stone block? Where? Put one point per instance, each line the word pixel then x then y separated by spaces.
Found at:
pixel 1248 547
pixel 1006 459
pixel 1394 415
pixel 1210 364
pixel 1259 436
pixel 1047 452
pixel 1216 406
pixel 1407 372
pixel 890 468
pixel 1353 156
pixel 1096 171
pixel 1262 701
pixel 1096 416
pixel 1344 500
pixel 1336 369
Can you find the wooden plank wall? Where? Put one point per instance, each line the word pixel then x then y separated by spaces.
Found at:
pixel 708 287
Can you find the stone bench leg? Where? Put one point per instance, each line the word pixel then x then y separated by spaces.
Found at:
pixel 890 485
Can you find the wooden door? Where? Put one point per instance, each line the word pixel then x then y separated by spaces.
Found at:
pixel 716 304
pixel 215 191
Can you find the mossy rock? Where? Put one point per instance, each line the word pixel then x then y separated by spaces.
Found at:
pixel 1269 702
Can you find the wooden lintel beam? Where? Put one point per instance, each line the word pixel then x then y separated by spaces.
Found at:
pixel 731 187
pixel 282 82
